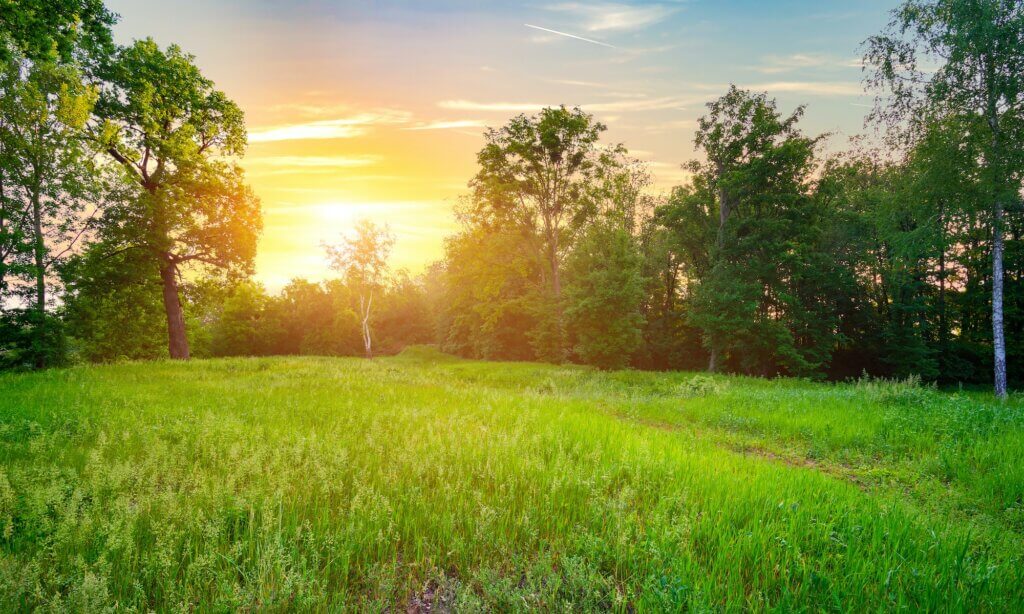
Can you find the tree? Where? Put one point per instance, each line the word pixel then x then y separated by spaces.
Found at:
pixel 547 166
pixel 604 293
pixel 48 175
pixel 979 48
pixel 760 277
pixel 362 259
pixel 491 276
pixel 169 129
pixel 240 328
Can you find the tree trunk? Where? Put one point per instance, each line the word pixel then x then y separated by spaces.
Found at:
pixel 998 334
pixel 943 325
pixel 995 162
pixel 177 340
pixel 556 280
pixel 724 210
pixel 364 307
pixel 39 251
pixel 3 246
pixel 713 360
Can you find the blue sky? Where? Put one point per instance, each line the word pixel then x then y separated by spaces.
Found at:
pixel 376 109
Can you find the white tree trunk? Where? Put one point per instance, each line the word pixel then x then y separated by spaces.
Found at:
pixel 998 333
pixel 364 308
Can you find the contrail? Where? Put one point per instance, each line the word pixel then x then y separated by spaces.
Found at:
pixel 579 38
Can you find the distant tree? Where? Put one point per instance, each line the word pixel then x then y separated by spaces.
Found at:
pixel 604 294
pixel 314 318
pixel 879 238
pixel 978 46
pixel 404 314
pixel 491 281
pixel 362 259
pixel 241 326
pixel 170 129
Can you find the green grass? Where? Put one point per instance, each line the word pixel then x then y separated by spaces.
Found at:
pixel 334 484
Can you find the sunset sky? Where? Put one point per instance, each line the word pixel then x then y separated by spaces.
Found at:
pixel 376 108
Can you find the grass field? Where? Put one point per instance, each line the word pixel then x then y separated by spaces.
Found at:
pixel 425 482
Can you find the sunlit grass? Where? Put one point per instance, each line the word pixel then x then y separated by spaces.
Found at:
pixel 326 484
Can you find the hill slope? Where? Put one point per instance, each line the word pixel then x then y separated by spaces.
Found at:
pixel 422 481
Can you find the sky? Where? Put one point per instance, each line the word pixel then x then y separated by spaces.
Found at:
pixel 376 108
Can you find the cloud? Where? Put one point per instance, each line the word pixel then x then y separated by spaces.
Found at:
pixel 774 64
pixel 671 126
pixel 307 165
pixel 450 124
pixel 340 128
pixel 504 107
pixel 567 35
pixel 609 16
pixel 619 106
pixel 314 161
pixel 817 88
pixel 576 83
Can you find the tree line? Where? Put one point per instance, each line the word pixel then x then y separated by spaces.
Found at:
pixel 775 258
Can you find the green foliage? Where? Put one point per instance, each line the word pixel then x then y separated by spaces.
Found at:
pixel 239 330
pixel 111 307
pixel 603 297
pixel 308 318
pixel 48 182
pixel 341 484
pixel 51 30
pixel 362 260
pixel 760 279
pixel 976 83
pixel 490 284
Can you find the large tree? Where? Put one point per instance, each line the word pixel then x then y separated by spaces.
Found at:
pixel 962 58
pixel 170 129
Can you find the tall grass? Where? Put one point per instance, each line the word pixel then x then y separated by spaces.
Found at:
pixel 333 484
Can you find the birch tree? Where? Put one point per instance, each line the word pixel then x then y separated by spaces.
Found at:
pixel 962 58
pixel 362 259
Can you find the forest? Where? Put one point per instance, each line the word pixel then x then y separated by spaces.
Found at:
pixel 128 230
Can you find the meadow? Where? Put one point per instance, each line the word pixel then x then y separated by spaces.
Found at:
pixel 426 483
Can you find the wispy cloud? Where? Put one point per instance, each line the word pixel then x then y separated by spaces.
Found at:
pixel 576 83
pixel 307 165
pixel 610 16
pixel 314 161
pixel 567 35
pixel 671 126
pixel 817 88
pixel 498 107
pixel 619 106
pixel 450 124
pixel 340 128
pixel 775 64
